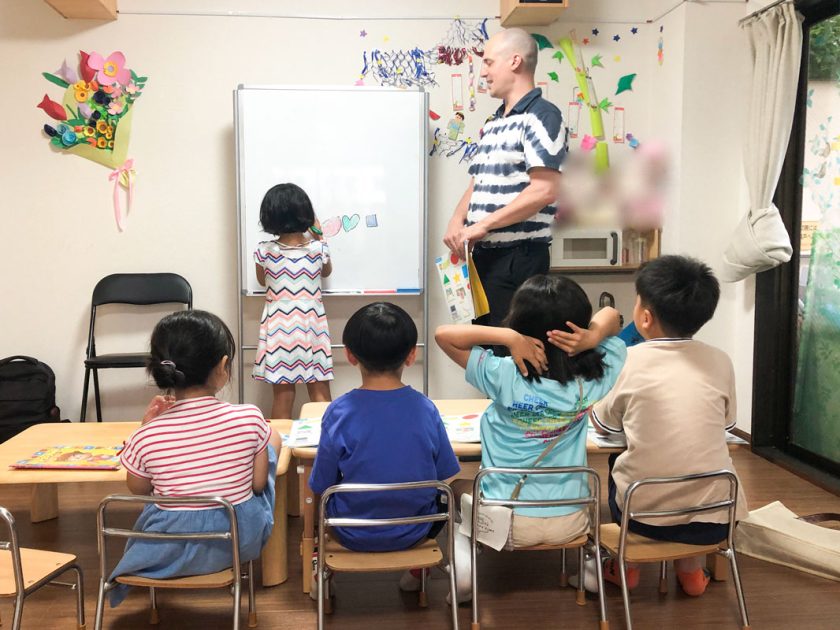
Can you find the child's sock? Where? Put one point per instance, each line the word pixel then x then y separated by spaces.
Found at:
pixel 410 581
pixel 694 583
pixel 612 574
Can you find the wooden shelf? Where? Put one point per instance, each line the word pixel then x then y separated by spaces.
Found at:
pixel 515 13
pixel 86 9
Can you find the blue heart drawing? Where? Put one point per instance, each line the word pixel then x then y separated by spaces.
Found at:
pixel 348 223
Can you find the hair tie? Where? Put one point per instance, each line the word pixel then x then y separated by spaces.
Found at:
pixel 168 362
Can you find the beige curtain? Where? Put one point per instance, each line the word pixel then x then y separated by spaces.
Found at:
pixel 761 242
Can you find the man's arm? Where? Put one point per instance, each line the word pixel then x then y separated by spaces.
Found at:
pixel 454 238
pixel 543 190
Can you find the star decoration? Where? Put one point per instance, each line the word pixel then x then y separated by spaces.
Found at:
pixel 616 38
pixel 634 30
pixel 585 41
pixel 363 33
pixel 595 32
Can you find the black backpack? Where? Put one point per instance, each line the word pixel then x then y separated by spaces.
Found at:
pixel 27 395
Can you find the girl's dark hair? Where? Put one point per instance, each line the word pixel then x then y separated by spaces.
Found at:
pixel 286 209
pixel 185 348
pixel 381 336
pixel 546 303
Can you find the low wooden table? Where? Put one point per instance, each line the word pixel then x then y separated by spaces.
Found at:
pixel 44 482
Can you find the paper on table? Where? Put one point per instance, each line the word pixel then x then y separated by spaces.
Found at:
pixel 305 432
pixel 84 457
pixel 618 440
pixel 465 428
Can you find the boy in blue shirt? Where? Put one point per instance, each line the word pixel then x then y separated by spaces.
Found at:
pixel 382 432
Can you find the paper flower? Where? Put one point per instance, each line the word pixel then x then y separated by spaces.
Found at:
pixel 109 70
pixel 101 126
pixel 85 110
pixel 68 138
pixel 54 110
pixel 67 73
pixel 131 88
pixel 84 69
pixel 82 95
pixel 115 107
pixel 101 142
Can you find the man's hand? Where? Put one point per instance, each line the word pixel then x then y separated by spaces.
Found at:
pixel 454 239
pixel 575 342
pixel 527 349
pixel 474 233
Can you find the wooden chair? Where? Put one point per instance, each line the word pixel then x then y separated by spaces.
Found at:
pixel 333 557
pixel 231 577
pixel 626 546
pixel 24 571
pixel 139 289
pixel 592 501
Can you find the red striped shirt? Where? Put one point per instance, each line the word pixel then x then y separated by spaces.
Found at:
pixel 199 446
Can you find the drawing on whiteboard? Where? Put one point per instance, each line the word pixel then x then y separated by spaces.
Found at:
pixel 349 222
pixel 331 227
pixel 371 221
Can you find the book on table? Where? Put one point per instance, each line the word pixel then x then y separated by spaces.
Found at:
pixel 73 457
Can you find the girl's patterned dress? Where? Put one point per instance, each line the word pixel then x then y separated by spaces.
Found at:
pixel 294 342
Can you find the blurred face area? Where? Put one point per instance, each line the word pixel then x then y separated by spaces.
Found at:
pixel 498 66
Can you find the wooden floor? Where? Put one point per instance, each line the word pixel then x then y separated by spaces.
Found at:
pixel 519 590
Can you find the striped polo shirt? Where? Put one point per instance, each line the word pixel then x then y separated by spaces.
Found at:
pixel 199 446
pixel 532 135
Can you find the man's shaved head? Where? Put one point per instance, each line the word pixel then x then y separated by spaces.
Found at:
pixel 515 41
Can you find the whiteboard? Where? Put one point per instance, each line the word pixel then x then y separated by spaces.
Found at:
pixel 360 153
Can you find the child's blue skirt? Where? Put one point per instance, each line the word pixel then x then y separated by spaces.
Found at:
pixel 179 558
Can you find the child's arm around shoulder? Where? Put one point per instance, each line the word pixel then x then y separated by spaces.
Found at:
pixel 605 323
pixel 458 340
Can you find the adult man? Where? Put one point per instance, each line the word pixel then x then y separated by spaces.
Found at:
pixel 507 210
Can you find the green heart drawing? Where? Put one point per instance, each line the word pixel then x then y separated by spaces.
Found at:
pixel 348 223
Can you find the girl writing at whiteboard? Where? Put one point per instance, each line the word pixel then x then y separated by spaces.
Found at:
pixel 294 341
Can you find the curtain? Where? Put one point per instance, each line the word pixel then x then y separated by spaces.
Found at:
pixel 760 241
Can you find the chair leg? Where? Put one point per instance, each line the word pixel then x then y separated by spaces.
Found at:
pixel 83 412
pixel 18 614
pixel 96 397
pixel 100 605
pixel 625 593
pixel 476 625
pixel 580 596
pixel 602 602
pixel 564 577
pixel 252 604
pixel 80 597
pixel 663 577
pixel 739 591
pixel 423 600
pixel 154 617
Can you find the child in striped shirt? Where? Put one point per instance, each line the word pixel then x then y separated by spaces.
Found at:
pixel 192 444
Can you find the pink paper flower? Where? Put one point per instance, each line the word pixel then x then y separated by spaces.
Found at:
pixel 131 88
pixel 111 70
pixel 115 107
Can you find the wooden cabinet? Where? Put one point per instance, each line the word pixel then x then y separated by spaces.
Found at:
pixel 515 13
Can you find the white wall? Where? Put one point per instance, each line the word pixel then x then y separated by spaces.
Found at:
pixel 56 231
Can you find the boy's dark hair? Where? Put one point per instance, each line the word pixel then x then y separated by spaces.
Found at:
pixel 380 336
pixel 681 292
pixel 546 303
pixel 286 209
pixel 185 348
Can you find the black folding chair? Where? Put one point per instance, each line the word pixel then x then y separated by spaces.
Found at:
pixel 140 289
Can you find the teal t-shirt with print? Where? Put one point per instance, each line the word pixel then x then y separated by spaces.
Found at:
pixel 525 416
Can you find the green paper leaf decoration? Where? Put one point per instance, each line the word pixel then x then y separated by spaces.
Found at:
pixel 605 104
pixel 553 76
pixel 596 62
pixel 558 55
pixel 625 83
pixel 57 80
pixel 542 41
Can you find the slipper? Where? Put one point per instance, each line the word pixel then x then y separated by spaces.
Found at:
pixel 695 582
pixel 612 574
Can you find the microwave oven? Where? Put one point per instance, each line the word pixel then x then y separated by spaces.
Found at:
pixel 586 247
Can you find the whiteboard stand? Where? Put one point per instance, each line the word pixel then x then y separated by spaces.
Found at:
pixel 265 122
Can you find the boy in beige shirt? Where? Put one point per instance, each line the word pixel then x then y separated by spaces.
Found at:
pixel 674 401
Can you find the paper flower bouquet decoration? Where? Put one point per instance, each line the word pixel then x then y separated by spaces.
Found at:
pixel 94 118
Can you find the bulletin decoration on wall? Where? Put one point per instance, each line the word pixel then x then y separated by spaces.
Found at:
pixel 399 68
pixel 93 119
pixel 821 175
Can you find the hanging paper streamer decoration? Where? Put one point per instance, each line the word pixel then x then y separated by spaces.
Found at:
pixel 660 51
pixel 543 85
pixel 573 118
pixel 94 116
pixel 472 82
pixel 400 68
pixel 462 39
pixel 457 92
pixel 587 89
pixel 618 125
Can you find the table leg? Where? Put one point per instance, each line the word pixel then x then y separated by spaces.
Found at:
pixel 43 504
pixel 719 566
pixel 275 561
pixel 294 506
pixel 307 546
